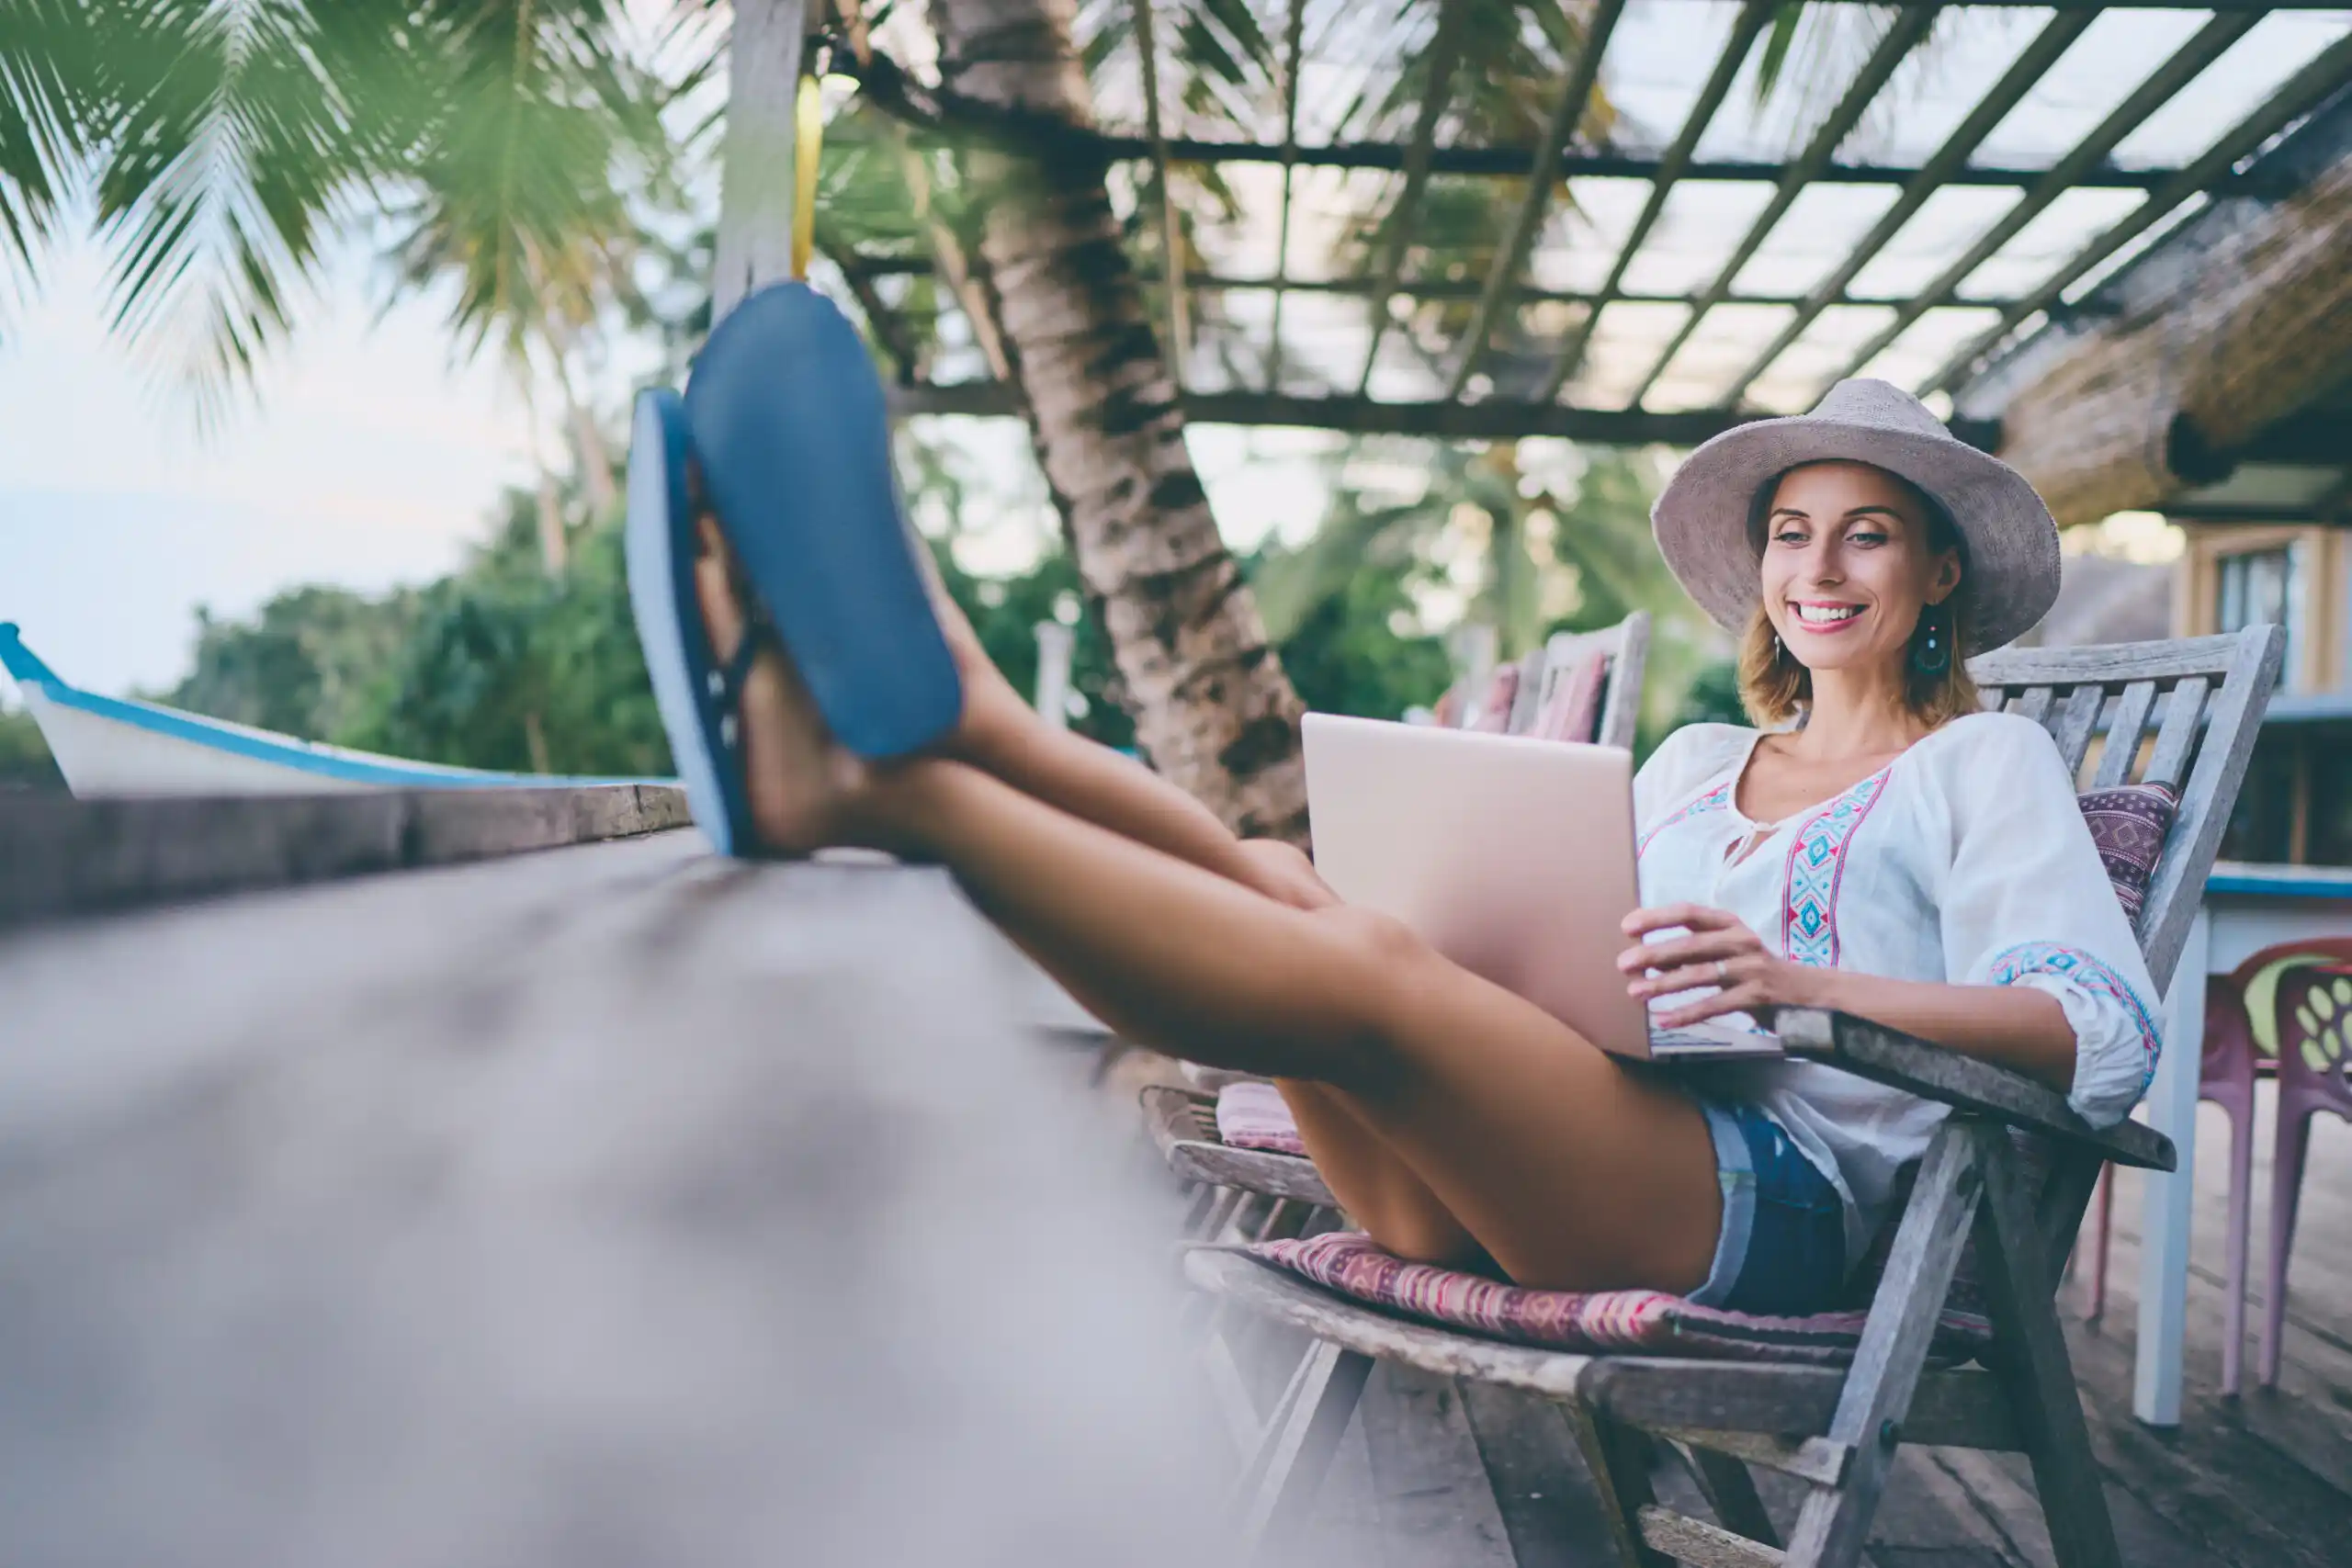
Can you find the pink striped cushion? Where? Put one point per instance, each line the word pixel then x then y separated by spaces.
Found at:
pixel 1573 713
pixel 1653 1321
pixel 1252 1116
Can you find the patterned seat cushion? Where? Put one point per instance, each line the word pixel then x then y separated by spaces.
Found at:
pixel 1252 1116
pixel 1599 1321
pixel 2128 823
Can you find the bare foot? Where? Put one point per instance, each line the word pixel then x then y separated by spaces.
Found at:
pixel 801 784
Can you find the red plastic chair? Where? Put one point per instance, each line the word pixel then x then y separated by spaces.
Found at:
pixel 2314 1012
pixel 2232 1063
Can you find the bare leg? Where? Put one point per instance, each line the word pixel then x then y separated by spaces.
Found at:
pixel 1511 1120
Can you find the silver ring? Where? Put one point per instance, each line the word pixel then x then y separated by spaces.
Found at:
pixel 1723 974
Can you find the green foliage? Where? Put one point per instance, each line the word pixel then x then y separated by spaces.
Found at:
pixel 305 665
pixel 1006 612
pixel 1713 697
pixel 25 761
pixel 520 672
pixel 1362 651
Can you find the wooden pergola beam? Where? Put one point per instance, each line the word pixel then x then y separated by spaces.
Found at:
pixel 1753 17
pixel 1431 287
pixel 1445 53
pixel 2307 88
pixel 1515 161
pixel 1567 113
pixel 1494 419
pixel 1900 39
pixel 2190 61
pixel 2031 65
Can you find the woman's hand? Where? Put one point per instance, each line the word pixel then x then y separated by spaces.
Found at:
pixel 1717 950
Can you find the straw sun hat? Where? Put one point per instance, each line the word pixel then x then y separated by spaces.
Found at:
pixel 2011 543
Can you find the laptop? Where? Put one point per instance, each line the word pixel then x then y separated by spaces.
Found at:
pixel 1513 857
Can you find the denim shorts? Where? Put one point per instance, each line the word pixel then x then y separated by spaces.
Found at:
pixel 1781 1251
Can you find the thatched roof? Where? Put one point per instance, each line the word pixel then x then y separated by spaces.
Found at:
pixel 2220 336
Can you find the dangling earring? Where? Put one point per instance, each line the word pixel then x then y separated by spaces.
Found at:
pixel 1932 655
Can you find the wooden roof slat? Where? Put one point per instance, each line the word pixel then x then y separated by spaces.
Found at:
pixel 2032 63
pixel 2306 90
pixel 1568 112
pixel 1496 419
pixel 1900 39
pixel 1514 160
pixel 1753 16
pixel 2187 62
pixel 1294 53
pixel 1199 280
pixel 1446 54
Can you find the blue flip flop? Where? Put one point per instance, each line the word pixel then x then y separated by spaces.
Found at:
pixel 792 437
pixel 696 696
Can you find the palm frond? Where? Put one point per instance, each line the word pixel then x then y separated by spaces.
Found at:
pixel 50 87
pixel 230 148
pixel 529 142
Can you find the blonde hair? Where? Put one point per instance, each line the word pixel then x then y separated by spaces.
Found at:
pixel 1775 688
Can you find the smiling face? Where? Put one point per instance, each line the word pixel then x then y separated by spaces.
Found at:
pixel 1849 561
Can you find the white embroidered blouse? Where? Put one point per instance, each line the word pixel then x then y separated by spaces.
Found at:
pixel 1964 860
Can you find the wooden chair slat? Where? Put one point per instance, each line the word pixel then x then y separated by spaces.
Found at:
pixel 2110 664
pixel 2123 745
pixel 2076 720
pixel 2232 722
pixel 2033 702
pixel 1620 708
pixel 1528 700
pixel 2176 736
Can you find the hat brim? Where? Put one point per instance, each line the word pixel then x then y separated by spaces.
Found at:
pixel 1700 518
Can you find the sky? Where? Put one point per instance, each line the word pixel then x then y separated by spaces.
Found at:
pixel 365 458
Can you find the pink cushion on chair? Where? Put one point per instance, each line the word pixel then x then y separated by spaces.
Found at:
pixel 1349 1263
pixel 1252 1116
pixel 1574 712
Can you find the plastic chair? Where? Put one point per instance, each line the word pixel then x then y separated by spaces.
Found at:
pixel 2314 1013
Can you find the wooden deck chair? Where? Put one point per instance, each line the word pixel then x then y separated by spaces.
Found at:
pixel 2010 1169
pixel 1590 682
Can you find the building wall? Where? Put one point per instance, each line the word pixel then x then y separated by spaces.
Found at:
pixel 2319 650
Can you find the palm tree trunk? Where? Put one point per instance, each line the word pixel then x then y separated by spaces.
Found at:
pixel 1215 713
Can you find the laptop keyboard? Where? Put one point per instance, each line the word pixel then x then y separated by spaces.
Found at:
pixel 1713 1043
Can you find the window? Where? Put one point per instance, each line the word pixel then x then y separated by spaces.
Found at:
pixel 2256 587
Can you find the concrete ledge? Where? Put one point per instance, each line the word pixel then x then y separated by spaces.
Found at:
pixel 61 857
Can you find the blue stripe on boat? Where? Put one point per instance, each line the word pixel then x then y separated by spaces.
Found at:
pixel 303 756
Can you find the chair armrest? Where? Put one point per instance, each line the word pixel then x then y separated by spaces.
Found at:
pixel 1965 1083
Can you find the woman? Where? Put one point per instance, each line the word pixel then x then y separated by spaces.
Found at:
pixel 1895 853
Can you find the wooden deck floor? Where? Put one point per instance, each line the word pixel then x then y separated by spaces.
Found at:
pixel 549 1152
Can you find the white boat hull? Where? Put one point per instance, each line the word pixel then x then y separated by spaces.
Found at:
pixel 114 747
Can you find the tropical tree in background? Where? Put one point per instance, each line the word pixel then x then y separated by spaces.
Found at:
pixel 492 146
pixel 528 156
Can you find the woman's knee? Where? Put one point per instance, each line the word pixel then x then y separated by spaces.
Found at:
pixel 1379 968
pixel 1383 946
pixel 1285 871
